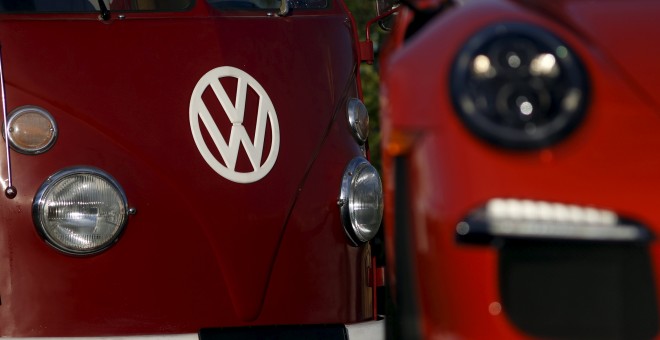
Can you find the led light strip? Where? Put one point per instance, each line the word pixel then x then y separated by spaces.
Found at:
pixel 527 219
pixel 10 191
pixel 525 210
pixel 534 229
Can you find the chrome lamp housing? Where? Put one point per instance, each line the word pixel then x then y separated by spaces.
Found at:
pixel 361 201
pixel 31 130
pixel 80 211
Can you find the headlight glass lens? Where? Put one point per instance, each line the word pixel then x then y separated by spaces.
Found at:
pixel 519 86
pixel 32 130
pixel 80 211
pixel 358 118
pixel 361 201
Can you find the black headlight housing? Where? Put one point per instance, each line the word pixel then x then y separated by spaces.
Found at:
pixel 519 86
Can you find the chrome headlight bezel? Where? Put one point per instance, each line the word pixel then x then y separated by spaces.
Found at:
pixel 43 197
pixel 43 147
pixel 357 173
pixel 358 119
pixel 503 96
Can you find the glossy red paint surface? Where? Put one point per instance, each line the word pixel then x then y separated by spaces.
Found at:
pixel 608 162
pixel 202 251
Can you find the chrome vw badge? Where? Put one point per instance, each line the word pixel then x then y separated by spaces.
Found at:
pixel 234 111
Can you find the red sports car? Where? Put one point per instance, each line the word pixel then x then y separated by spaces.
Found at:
pixel 519 171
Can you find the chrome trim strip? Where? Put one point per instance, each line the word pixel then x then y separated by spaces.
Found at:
pixel 369 330
pixel 10 191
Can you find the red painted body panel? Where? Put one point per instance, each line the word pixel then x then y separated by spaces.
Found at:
pixel 201 251
pixel 608 162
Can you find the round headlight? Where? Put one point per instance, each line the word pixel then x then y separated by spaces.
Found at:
pixel 358 119
pixel 361 201
pixel 32 130
pixel 80 211
pixel 519 86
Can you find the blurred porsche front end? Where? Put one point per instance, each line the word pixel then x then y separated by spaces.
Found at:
pixel 526 131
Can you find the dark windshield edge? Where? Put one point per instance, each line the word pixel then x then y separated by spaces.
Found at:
pixel 267 4
pixel 103 7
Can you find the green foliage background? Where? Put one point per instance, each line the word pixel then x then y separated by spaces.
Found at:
pixel 363 11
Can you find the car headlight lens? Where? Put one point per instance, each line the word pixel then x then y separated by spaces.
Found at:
pixel 32 130
pixel 361 201
pixel 358 119
pixel 80 211
pixel 519 86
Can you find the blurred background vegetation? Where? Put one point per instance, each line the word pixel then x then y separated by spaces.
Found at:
pixel 363 11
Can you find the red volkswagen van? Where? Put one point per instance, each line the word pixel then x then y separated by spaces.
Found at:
pixel 184 169
pixel 520 170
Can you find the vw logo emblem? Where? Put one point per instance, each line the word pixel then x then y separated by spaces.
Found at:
pixel 234 111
